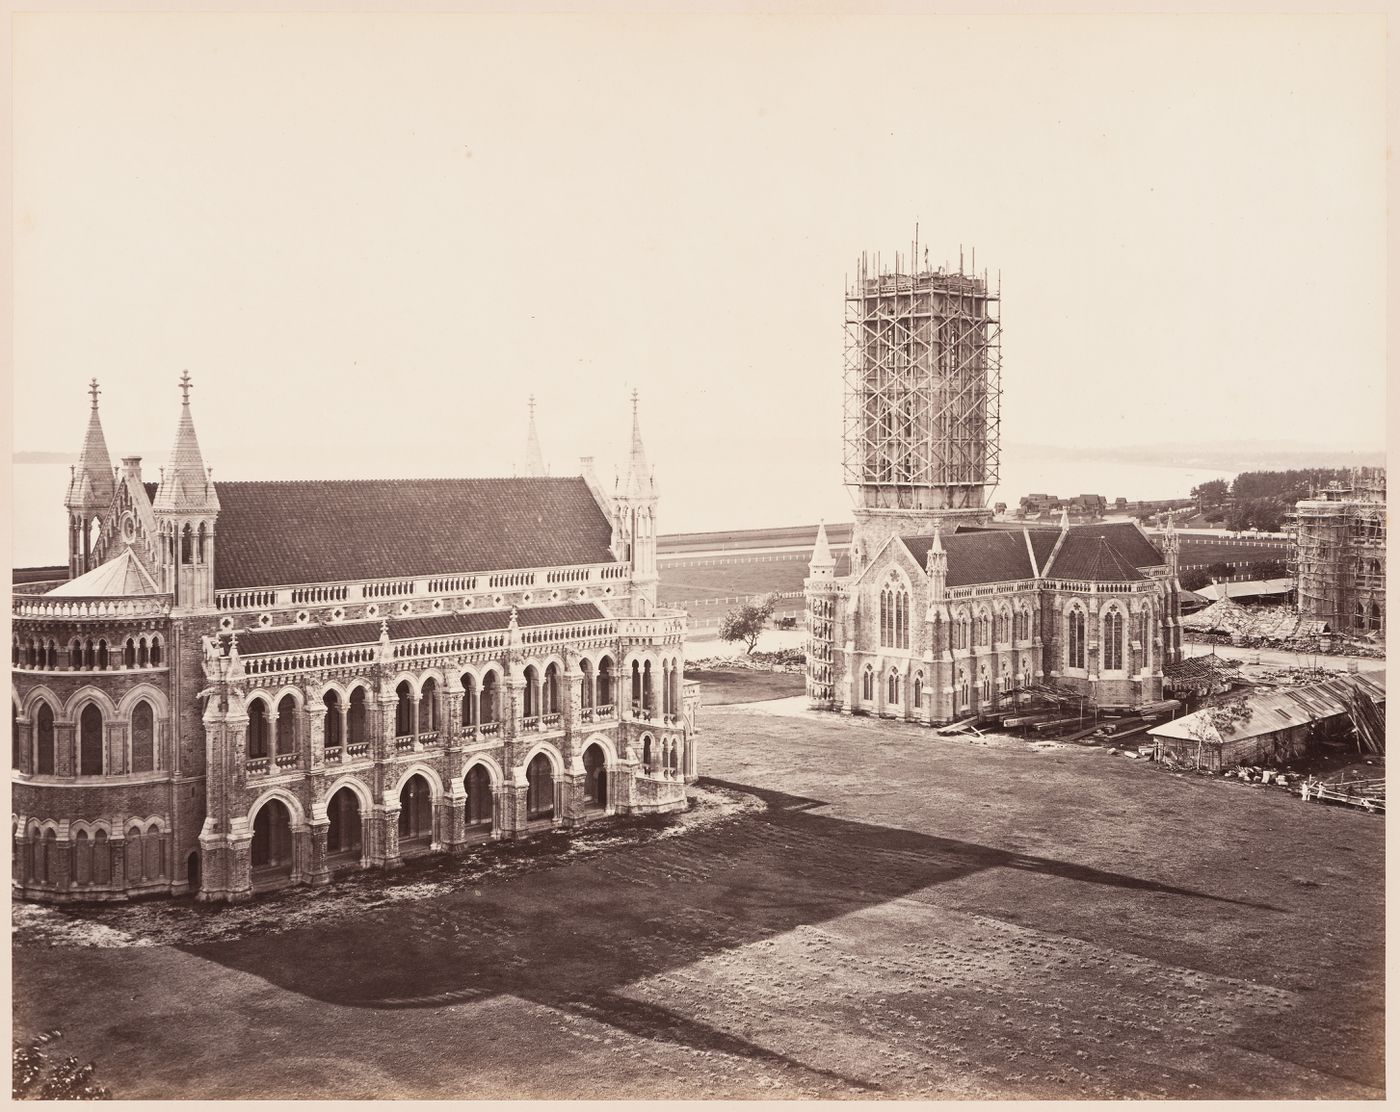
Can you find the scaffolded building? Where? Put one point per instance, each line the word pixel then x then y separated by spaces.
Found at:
pixel 922 421
pixel 1341 555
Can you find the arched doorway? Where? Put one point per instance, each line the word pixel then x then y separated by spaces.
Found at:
pixel 343 834
pixel 539 796
pixel 192 871
pixel 272 842
pixel 595 778
pixel 480 805
pixel 415 816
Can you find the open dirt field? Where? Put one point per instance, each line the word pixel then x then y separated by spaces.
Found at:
pixel 853 908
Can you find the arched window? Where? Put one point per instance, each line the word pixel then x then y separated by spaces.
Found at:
pixel 43 757
pixel 403 712
pixel 90 742
pixel 427 707
pixel 867 683
pixel 143 735
pixel 918 698
pixel 636 686
pixel 605 682
pixel 331 733
pixel 1075 645
pixel 595 777
pixel 129 654
pixel 415 811
pixel 648 694
pixel 272 839
pixel 532 692
pixel 187 545
pixel 468 700
pixel 102 654
pixel 539 796
pixel 101 858
pixel 286 725
pixel 479 801
pixel 1376 615
pixel 892 688
pixel 490 703
pixel 1113 640
pixel 155 652
pixel 343 834
pixel 203 536
pixel 357 720
pixel 75 654
pixel 143 656
pixel 258 733
pixel 985 684
pixel 82 858
pixel 550 702
pixel 964 689
pixel 51 657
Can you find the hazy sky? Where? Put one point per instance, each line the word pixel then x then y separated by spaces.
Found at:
pixel 369 238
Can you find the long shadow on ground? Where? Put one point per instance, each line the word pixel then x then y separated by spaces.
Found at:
pixel 571 937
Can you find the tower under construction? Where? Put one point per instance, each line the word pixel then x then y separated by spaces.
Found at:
pixel 922 420
pixel 1341 555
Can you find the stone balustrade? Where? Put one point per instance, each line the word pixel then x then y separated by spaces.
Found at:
pixel 424 587
pixel 70 609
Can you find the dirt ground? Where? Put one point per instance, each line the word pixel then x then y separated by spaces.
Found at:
pixel 852 908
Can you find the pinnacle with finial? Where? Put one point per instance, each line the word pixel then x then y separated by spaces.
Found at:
pixel 94 391
pixel 185 385
pixel 532 407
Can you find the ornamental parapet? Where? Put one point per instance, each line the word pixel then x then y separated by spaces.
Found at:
pixel 662 627
pixel 418 587
pixel 99 609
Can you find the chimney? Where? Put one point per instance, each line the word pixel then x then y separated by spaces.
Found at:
pixel 131 467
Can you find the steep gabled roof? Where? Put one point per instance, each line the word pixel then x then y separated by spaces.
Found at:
pixel 313 531
pixel 994 556
pixel 403 629
pixel 1114 552
pixel 1105 564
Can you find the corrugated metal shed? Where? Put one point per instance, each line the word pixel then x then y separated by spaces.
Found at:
pixel 1282 709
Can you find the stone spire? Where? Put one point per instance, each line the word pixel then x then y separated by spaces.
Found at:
pixel 640 484
pixel 822 559
pixel 92 486
pixel 1064 519
pixel 185 485
pixel 1171 547
pixel 534 459
pixel 936 564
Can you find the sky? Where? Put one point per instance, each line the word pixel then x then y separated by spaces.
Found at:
pixel 370 238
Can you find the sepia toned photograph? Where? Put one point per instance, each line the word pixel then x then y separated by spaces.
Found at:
pixel 697 556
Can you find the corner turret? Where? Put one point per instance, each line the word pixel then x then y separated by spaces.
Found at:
pixel 89 498
pixel 186 510
pixel 634 521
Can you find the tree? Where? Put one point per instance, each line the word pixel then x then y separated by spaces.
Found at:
pixel 1212 494
pixel 1218 571
pixel 745 623
pixel 1193 579
pixel 1269 569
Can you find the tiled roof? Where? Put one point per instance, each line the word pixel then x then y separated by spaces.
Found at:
pixel 1043 541
pixel 995 556
pixel 1082 552
pixel 1094 560
pixel 405 629
pixel 281 533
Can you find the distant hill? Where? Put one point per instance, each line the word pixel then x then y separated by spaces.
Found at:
pixel 1266 455
pixel 44 457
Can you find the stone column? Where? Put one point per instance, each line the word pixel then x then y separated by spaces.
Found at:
pixel 318 871
pixel 388 820
pixel 572 709
pixel 116 849
pixel 451 818
pixel 382 741
pixel 451 712
pixel 315 756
